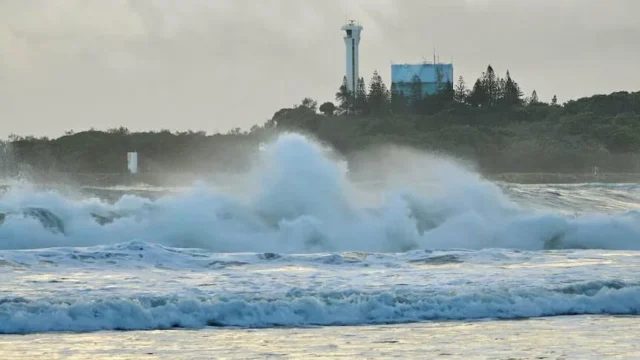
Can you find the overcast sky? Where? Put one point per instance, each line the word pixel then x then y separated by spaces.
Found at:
pixel 216 64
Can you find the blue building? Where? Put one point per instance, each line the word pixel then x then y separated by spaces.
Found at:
pixel 402 76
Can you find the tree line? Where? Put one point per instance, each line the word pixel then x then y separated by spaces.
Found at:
pixel 488 91
pixel 491 123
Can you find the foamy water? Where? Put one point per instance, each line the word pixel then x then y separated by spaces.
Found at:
pixel 300 242
pixel 563 337
pixel 297 200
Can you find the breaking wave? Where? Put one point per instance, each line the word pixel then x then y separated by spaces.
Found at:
pixel 19 315
pixel 298 200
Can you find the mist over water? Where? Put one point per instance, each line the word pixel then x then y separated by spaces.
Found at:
pixel 300 199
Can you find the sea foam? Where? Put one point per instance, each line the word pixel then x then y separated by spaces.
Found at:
pixel 299 200
pixel 19 315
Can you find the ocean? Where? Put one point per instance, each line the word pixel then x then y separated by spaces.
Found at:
pixel 301 258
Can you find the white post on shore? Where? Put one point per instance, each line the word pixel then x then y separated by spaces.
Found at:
pixel 132 162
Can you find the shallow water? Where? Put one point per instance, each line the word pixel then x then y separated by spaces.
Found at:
pixel 575 337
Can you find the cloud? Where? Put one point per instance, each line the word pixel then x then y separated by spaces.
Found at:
pixel 218 64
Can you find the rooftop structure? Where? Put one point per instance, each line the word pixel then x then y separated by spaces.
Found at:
pixel 429 74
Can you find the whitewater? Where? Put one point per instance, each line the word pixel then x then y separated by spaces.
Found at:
pixel 393 240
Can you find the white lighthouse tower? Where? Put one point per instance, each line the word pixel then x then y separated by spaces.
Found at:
pixel 352 44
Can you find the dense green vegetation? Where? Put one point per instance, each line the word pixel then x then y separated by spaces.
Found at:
pixel 105 151
pixel 491 123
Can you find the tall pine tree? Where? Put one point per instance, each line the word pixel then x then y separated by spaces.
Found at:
pixel 479 96
pixel 441 100
pixel 361 103
pixel 440 83
pixel 491 85
pixel 344 97
pixel 534 98
pixel 378 98
pixel 512 93
pixel 461 92
pixel 502 83
pixel 416 95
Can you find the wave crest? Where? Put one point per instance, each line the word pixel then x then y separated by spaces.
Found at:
pixel 19 315
pixel 299 200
